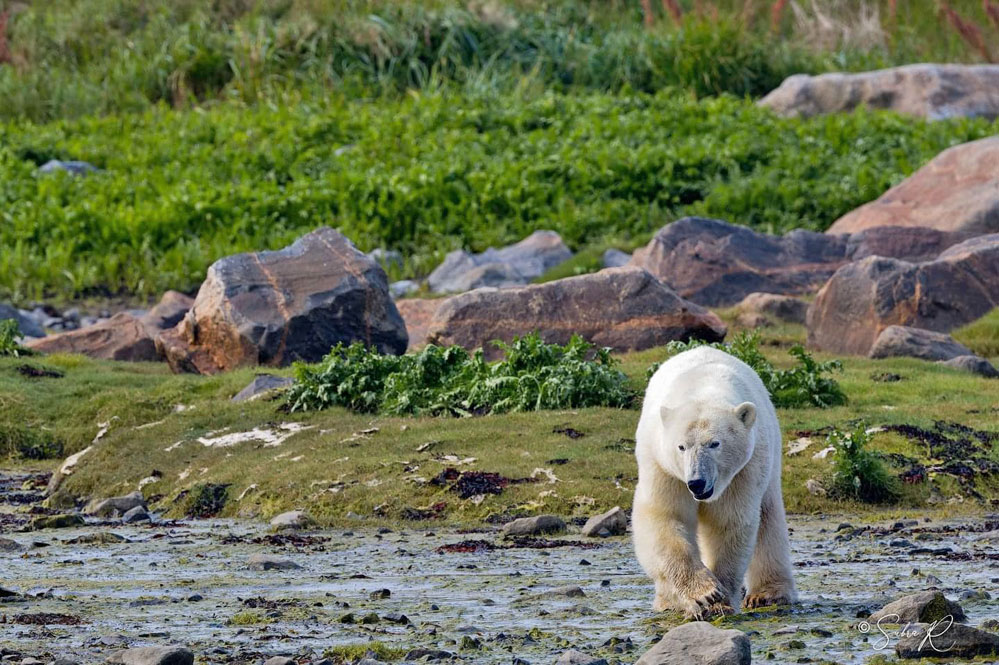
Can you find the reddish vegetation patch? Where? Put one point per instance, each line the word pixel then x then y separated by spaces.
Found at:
pixel 466 546
pixel 472 483
pixel 47 619
pixel 476 546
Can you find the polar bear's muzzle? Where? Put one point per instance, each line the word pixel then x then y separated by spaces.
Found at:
pixel 701 474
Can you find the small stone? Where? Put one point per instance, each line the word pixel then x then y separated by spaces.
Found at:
pixel 787 630
pixel 195 598
pixel 292 520
pixel 820 632
pixel 613 522
pixel 137 514
pixel 280 660
pixel 429 654
pixel 398 618
pixel 379 594
pixel 261 385
pixel 56 522
pixel 114 506
pixel 153 656
pixel 926 606
pixel 269 562
pixel 563 592
pixel 8 545
pixel 532 526
pixel 615 258
pixel 957 641
pixel 699 642
pixel 975 595
pixel 574 657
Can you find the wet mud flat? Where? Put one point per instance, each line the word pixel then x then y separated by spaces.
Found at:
pixel 413 593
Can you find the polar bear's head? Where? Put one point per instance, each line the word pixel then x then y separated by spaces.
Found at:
pixel 705 446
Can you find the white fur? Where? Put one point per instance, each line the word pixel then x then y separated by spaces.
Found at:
pixel 699 553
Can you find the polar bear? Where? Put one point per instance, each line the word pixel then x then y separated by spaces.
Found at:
pixel 708 513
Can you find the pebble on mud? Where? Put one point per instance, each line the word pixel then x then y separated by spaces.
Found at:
pixel 153 656
pixel 612 523
pixel 925 606
pixel 269 562
pixel 699 642
pixel 574 657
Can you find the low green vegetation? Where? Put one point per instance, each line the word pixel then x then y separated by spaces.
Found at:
pixel 10 334
pixel 352 653
pixel 390 468
pixel 804 384
pixel 532 376
pixel 423 174
pixel 981 336
pixel 18 442
pixel 859 472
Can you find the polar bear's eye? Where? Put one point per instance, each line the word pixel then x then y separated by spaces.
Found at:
pixel 714 444
pixel 682 447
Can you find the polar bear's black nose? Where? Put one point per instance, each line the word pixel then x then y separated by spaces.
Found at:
pixel 696 486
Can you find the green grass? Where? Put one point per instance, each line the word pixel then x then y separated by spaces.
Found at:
pixel 379 466
pixel 981 336
pixel 424 174
pixel 82 57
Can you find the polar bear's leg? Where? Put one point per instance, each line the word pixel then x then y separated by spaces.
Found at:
pixel 770 580
pixel 665 543
pixel 727 539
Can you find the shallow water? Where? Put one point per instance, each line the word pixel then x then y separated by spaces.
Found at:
pixel 481 606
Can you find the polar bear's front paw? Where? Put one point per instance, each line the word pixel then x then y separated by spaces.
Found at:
pixel 765 598
pixel 705 597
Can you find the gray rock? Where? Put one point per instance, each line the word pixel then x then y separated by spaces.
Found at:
pixel 277 307
pixel 532 526
pixel 28 324
pixel 293 519
pixel 7 593
pixel 262 383
pixel 925 90
pixel 115 506
pixel 916 343
pixel 280 660
pixel 573 657
pixel 403 288
pixel 8 545
pixel 153 656
pixel 946 640
pixel 515 265
pixel 570 591
pixel 72 167
pixel 612 523
pixel 699 643
pixel 429 654
pixel 137 514
pixel 269 562
pixel 615 258
pixel 925 606
pixel 973 364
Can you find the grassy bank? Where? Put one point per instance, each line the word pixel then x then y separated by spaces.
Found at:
pixel 423 174
pixel 80 57
pixel 382 467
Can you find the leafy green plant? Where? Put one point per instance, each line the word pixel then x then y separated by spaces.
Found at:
pixel 805 384
pixel 10 332
pixel 858 473
pixel 532 376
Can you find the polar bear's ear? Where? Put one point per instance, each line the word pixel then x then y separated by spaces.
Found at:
pixel 746 412
pixel 664 412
